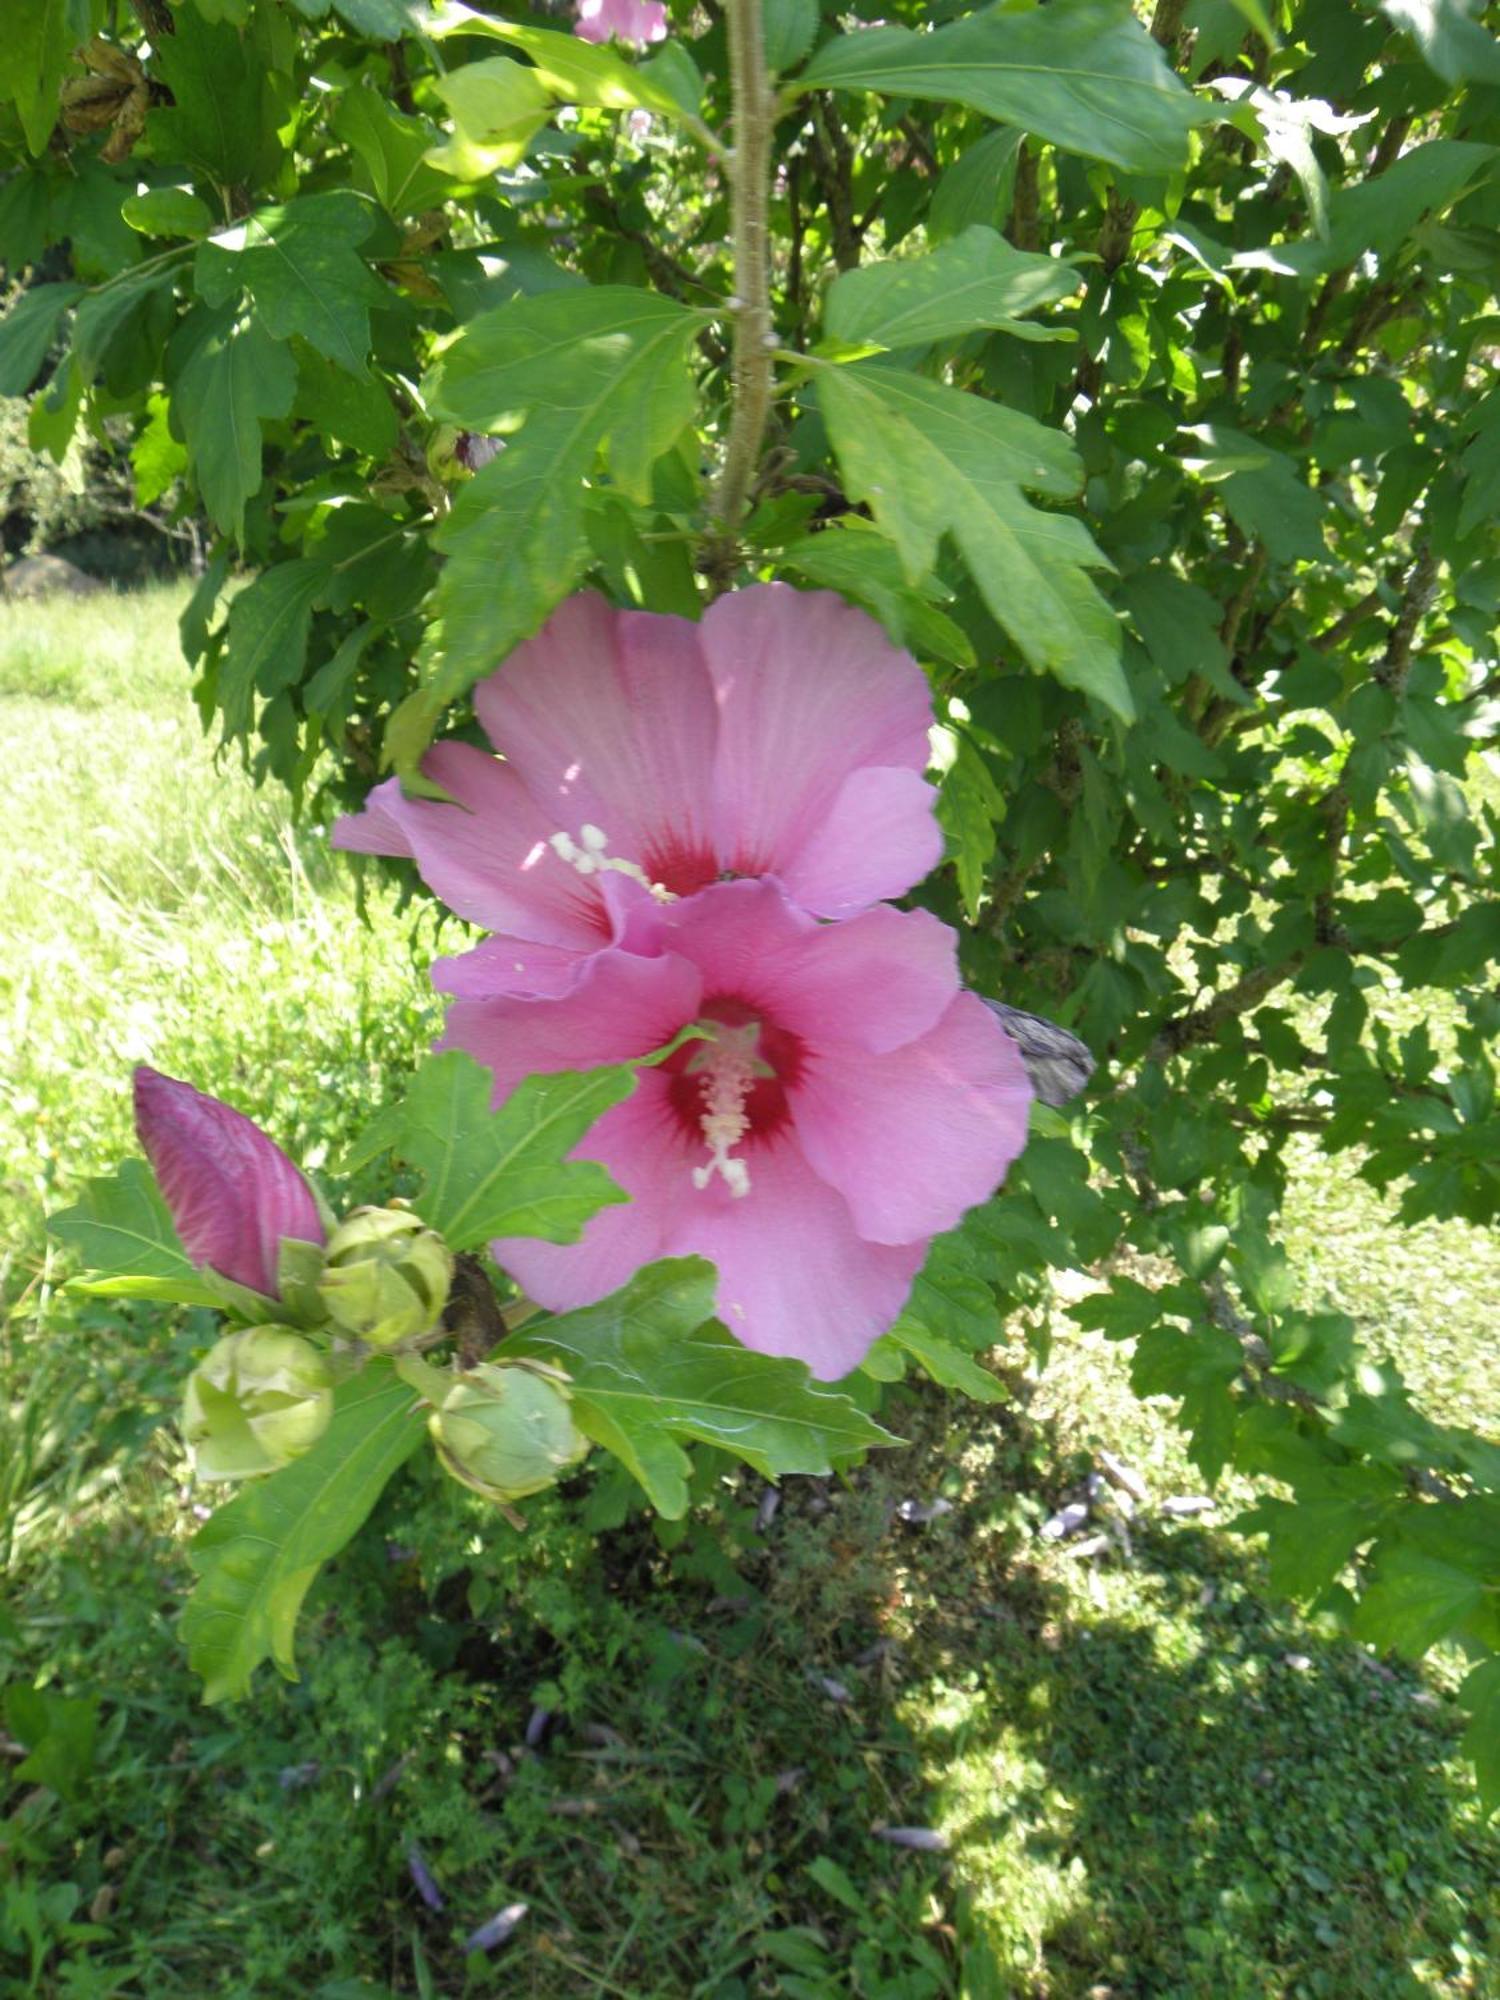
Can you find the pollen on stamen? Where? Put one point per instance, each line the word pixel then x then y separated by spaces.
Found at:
pixel 590 856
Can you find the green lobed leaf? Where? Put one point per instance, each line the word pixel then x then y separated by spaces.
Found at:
pixel 156 458
pixel 27 332
pixel 221 123
pixel 266 649
pixel 123 1232
pixel 930 459
pixel 650 1368
pixel 236 379
pixel 977 187
pixel 257 1556
pixel 593 369
pixel 1084 75
pixel 299 262
pixel 34 50
pixel 951 1315
pixel 1413 1599
pixel 977 280
pixel 392 147
pixel 491 1173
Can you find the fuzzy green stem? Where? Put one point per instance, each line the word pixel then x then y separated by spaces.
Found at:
pixel 749 180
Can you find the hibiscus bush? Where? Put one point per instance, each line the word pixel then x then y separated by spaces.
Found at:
pixel 1030 464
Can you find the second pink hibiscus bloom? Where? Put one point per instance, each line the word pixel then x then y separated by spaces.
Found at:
pixel 782 736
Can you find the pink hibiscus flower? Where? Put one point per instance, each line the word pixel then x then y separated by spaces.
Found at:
pixel 647 756
pixel 851 1101
pixel 638 21
pixel 233 1194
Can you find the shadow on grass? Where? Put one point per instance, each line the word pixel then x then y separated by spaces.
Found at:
pixel 1152 1785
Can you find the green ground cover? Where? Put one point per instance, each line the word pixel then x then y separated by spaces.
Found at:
pixel 1152 1781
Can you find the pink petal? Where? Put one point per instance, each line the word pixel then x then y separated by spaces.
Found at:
pixel 608 718
pixel 879 836
pixel 736 933
pixel 914 1138
pixel 636 21
pixel 875 980
pixel 621 1007
pixel 810 691
pixel 507 965
pixel 487 855
pixel 232 1192
pixel 795 1276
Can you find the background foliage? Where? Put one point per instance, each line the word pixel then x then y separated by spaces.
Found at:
pixel 1139 381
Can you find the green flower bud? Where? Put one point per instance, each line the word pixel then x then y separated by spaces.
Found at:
pixel 506 1429
pixel 387 1276
pixel 257 1400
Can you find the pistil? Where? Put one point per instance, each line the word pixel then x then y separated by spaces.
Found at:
pixel 727 1068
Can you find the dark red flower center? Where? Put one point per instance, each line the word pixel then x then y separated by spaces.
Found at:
pixel 729 1088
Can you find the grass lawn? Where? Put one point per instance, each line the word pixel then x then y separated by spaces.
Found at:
pixel 1152 1782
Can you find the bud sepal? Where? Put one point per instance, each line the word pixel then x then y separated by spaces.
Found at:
pixel 386 1277
pixel 258 1399
pixel 506 1429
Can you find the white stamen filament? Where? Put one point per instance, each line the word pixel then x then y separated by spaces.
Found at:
pixel 589 855
pixel 728 1069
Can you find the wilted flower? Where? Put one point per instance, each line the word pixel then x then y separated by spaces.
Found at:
pixel 233 1194
pixel 257 1400
pixel 849 1102
pixel 507 1430
pixel 647 756
pixel 386 1277
pixel 638 21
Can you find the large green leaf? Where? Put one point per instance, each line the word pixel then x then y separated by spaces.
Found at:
pixel 650 1367
pixel 602 368
pixel 237 378
pixel 267 645
pixel 931 459
pixel 299 263
pixel 499 1173
pixel 1084 75
pixel 257 1556
pixel 977 280
pixel 123 1232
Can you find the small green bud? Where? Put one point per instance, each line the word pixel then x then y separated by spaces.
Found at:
pixel 505 1429
pixel 257 1400
pixel 386 1277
